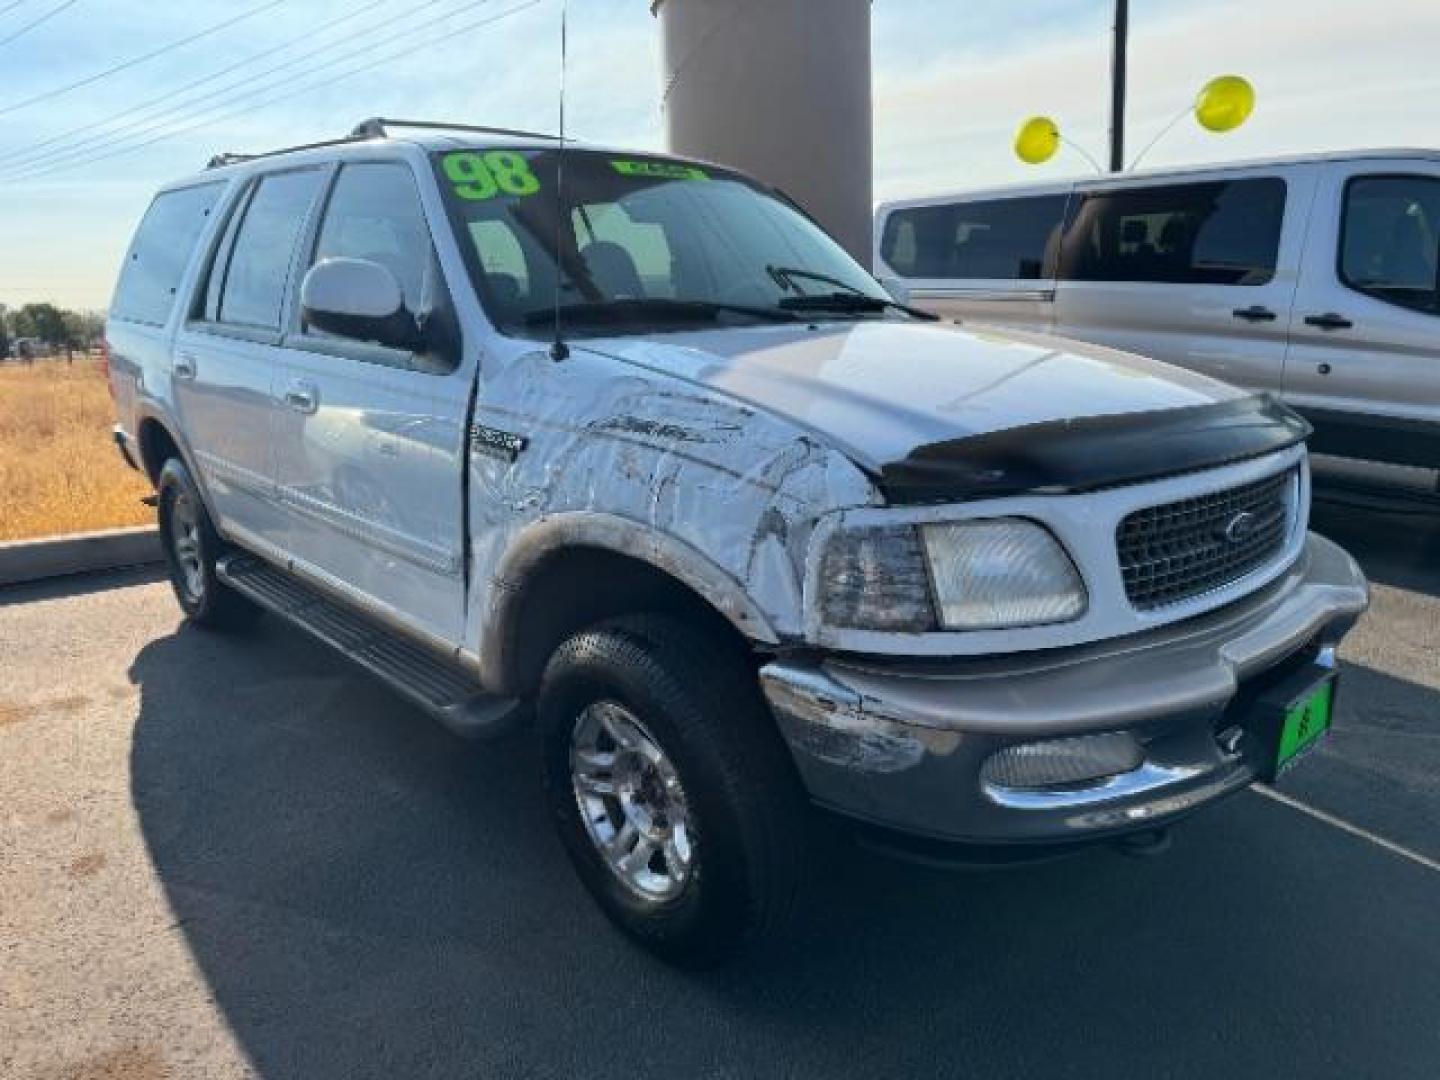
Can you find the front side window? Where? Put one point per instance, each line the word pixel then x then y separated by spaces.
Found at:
pixel 160 253
pixel 1222 232
pixel 374 214
pixel 1390 240
pixel 1004 239
pixel 636 245
pixel 252 289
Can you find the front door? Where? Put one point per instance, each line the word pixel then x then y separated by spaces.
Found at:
pixel 1364 361
pixel 226 353
pixel 1199 273
pixel 370 440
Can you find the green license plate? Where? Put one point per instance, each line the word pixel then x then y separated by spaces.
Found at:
pixel 1305 724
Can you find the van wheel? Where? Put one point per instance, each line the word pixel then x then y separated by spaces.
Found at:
pixel 191 547
pixel 672 791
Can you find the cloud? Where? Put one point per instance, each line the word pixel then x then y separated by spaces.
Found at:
pixel 1330 74
pixel 952 81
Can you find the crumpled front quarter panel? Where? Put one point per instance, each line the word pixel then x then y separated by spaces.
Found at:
pixel 738 488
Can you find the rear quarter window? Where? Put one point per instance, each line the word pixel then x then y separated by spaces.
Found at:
pixel 161 252
pixel 995 239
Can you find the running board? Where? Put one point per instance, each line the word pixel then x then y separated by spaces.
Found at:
pixel 444 690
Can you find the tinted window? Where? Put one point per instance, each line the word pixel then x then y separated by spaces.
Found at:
pixel 637 245
pixel 160 253
pixel 254 285
pixel 374 213
pixel 1000 238
pixel 1216 233
pixel 1389 243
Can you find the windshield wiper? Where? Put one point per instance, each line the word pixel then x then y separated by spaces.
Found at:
pixel 638 309
pixel 851 299
pixel 846 302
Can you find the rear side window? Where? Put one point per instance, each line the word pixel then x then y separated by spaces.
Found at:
pixel 252 289
pixel 1224 232
pixel 1390 240
pixel 160 253
pixel 996 239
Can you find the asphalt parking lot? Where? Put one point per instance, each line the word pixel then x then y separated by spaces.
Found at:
pixel 232 857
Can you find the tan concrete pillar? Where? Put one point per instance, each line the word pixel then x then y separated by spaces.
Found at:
pixel 781 90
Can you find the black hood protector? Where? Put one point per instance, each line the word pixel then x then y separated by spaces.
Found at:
pixel 1067 456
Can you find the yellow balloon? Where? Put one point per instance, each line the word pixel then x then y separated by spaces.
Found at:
pixel 1037 140
pixel 1224 103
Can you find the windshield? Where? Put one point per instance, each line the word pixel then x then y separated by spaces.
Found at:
pixel 643 244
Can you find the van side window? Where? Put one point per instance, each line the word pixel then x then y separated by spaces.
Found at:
pixel 1390 239
pixel 1223 232
pixel 160 253
pixel 253 289
pixel 996 238
pixel 374 214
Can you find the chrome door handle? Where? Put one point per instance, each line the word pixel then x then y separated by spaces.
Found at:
pixel 302 397
pixel 184 366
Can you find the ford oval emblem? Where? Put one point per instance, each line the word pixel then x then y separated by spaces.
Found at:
pixel 1240 527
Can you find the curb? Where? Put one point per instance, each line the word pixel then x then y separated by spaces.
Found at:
pixel 78 553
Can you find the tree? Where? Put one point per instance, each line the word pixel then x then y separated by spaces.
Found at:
pixel 47 321
pixel 4 332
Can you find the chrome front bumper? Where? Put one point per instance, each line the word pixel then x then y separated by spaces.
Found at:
pixel 903 744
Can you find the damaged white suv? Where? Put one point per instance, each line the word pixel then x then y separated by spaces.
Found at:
pixel 638 453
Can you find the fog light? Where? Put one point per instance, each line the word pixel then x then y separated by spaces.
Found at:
pixel 1063 763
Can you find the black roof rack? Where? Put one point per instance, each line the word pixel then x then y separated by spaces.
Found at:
pixel 377 128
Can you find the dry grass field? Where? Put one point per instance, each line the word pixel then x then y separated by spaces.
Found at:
pixel 59 471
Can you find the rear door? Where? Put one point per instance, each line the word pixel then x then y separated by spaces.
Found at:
pixel 371 440
pixel 227 354
pixel 1198 272
pixel 155 274
pixel 1364 362
pixel 982 259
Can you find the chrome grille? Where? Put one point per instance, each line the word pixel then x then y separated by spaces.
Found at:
pixel 1181 550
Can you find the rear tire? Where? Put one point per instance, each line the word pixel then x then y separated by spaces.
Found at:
pixel 656 733
pixel 191 547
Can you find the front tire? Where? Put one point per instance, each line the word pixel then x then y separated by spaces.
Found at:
pixel 672 791
pixel 191 547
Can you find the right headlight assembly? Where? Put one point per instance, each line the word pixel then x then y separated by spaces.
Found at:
pixel 986 574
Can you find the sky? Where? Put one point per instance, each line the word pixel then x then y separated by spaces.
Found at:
pixel 953 79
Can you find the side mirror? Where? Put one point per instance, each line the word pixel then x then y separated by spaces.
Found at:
pixel 898 290
pixel 359 299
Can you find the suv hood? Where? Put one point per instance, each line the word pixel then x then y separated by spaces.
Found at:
pixel 936 412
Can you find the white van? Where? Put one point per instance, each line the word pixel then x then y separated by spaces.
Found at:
pixel 1314 278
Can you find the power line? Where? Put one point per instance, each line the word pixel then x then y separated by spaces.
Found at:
pixel 89 79
pixel 183 111
pixel 36 22
pixel 323 83
pixel 25 154
pixel 146 125
pixel 11 6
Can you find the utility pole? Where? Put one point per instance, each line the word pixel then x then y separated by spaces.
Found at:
pixel 1117 86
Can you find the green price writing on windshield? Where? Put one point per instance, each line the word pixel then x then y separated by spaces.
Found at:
pixel 484 176
pixel 660 170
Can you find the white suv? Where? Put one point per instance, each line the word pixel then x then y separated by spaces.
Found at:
pixel 633 449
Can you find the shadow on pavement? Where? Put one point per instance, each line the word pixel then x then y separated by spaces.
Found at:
pixel 1399 547
pixel 80 584
pixel 369 897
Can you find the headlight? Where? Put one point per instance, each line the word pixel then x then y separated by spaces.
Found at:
pixel 974 575
pixel 1001 572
